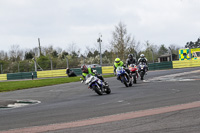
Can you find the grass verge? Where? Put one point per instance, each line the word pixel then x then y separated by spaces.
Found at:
pixel 18 85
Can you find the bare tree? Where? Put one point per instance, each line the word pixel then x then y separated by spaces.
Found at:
pixel 16 54
pixel 122 43
pixel 72 49
pixel 175 49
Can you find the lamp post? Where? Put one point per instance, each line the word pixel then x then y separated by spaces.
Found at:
pixel 1 69
pixel 35 64
pixel 51 63
pixel 18 66
pixel 67 60
pixel 152 55
pixel 99 41
pixel 170 52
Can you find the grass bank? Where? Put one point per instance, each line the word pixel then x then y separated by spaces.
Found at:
pixel 25 84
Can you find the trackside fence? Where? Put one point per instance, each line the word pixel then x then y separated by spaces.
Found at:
pixel 100 70
pixel 160 66
pixel 21 75
pixel 186 63
pixel 42 74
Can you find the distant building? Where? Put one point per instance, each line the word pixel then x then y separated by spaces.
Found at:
pixel 167 57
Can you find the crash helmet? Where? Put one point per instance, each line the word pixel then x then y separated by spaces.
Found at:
pixel 142 55
pixel 117 60
pixel 84 69
pixel 130 56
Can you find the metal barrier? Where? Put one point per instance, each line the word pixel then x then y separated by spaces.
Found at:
pixel 160 66
pixel 21 75
pixel 51 73
pixel 186 63
pixel 3 77
pixel 107 69
pixel 100 70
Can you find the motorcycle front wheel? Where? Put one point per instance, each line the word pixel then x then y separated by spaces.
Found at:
pixel 124 81
pixel 97 90
pixel 142 75
pixel 134 79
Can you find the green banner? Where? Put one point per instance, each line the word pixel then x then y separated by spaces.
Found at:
pixel 21 75
pixel 160 66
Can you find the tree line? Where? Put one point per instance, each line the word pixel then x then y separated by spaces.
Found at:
pixel 47 58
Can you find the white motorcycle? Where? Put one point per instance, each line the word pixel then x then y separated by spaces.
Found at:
pixel 96 84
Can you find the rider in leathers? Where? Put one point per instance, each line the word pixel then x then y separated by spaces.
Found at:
pixel 142 59
pixel 118 63
pixel 130 60
pixel 85 71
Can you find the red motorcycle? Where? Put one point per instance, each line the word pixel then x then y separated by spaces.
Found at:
pixel 133 72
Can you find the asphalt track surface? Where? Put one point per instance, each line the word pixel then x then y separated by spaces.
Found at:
pixel 166 102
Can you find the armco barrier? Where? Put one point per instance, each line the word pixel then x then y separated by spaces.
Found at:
pixel 107 69
pixel 152 66
pixel 160 66
pixel 62 72
pixel 51 73
pixel 21 75
pixel 186 63
pixel 78 71
pixel 3 76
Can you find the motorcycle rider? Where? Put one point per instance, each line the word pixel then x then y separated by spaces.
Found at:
pixel 70 73
pixel 130 61
pixel 142 59
pixel 120 63
pixel 85 71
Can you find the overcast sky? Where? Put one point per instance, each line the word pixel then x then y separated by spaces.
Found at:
pixel 63 22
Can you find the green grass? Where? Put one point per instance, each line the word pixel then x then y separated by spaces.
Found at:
pixel 18 85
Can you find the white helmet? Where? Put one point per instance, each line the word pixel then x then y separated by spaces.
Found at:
pixel 142 55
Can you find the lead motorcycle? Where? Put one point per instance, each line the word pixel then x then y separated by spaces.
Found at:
pixel 142 69
pixel 123 76
pixel 96 84
pixel 133 72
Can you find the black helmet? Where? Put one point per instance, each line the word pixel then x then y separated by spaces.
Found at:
pixel 130 56
pixel 84 69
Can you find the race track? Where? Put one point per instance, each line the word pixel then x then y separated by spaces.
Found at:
pixel 67 106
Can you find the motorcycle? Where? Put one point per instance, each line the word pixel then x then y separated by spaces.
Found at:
pixel 142 68
pixel 133 72
pixel 96 84
pixel 123 76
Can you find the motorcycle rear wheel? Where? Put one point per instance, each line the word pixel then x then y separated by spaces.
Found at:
pixel 108 90
pixel 134 79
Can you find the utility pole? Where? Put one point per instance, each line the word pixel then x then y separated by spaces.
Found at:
pixel 40 52
pixel 67 60
pixel 152 55
pixel 51 63
pixel 18 66
pixel 170 52
pixel 99 41
pixel 35 63
pixel 1 69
